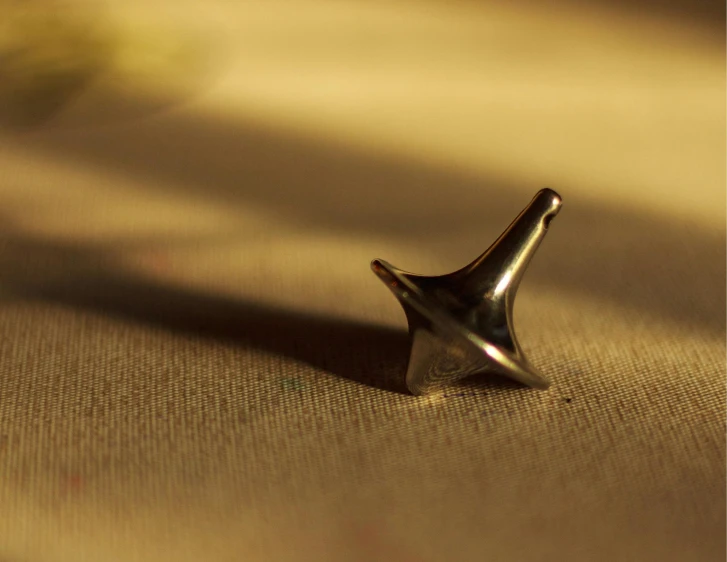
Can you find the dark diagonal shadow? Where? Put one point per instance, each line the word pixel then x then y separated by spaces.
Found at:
pixel 707 14
pixel 80 277
pixel 652 263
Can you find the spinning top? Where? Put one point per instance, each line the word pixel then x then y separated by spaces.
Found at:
pixel 461 323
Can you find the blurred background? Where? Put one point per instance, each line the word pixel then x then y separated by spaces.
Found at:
pixel 190 195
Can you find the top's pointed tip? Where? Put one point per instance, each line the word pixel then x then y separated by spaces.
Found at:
pixel 516 367
pixel 541 384
pixel 549 197
pixel 379 268
pixel 384 270
pixel 548 202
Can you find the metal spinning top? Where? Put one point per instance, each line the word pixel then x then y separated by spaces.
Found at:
pixel 461 323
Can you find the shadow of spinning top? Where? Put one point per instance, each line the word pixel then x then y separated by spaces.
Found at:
pixel 461 323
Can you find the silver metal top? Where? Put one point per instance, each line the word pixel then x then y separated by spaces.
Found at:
pixel 461 323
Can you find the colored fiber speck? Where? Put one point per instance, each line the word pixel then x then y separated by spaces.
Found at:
pixel 291 384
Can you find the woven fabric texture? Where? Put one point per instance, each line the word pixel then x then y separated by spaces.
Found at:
pixel 196 362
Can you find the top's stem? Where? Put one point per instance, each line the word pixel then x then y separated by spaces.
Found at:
pixel 497 272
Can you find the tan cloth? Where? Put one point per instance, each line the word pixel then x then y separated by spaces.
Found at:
pixel 196 362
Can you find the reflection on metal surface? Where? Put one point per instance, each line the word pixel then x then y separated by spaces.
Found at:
pixel 461 323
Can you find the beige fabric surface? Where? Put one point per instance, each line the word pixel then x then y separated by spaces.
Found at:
pixel 196 362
